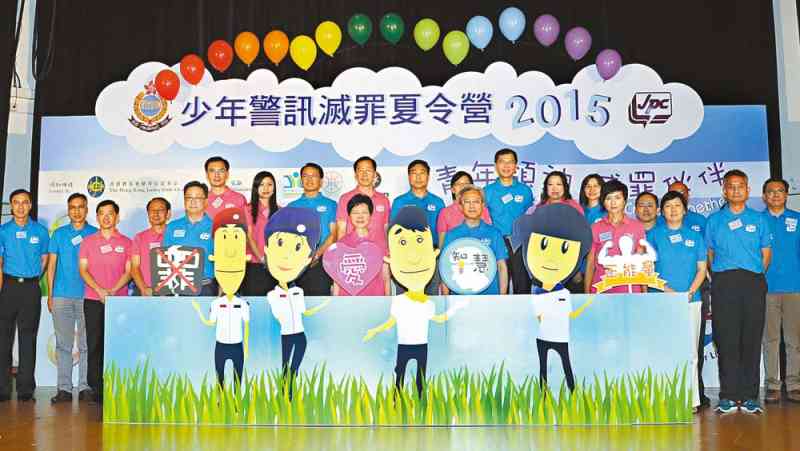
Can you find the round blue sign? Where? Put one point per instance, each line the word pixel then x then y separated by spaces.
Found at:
pixel 467 266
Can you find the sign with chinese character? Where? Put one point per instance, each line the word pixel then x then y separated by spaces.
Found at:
pixel 353 268
pixel 176 270
pixel 628 267
pixel 467 266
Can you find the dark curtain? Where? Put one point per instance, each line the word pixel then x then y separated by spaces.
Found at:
pixel 725 50
pixel 8 17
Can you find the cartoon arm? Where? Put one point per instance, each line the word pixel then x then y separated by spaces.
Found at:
pixel 203 319
pixel 314 310
pixel 382 328
pixel 457 305
pixel 580 310
pixel 246 338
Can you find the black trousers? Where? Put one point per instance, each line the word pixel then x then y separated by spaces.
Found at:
pixel 562 348
pixel 296 343
pixel 229 351
pixel 257 281
pixel 20 308
pixel 406 353
pixel 315 281
pixel 94 312
pixel 517 272
pixel 738 300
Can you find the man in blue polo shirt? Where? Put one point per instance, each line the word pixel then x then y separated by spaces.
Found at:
pixel 314 280
pixel 194 230
pixel 65 296
pixel 472 204
pixel 738 240
pixel 23 257
pixel 783 297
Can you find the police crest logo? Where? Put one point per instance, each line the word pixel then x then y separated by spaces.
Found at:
pixel 96 186
pixel 149 110
pixel 650 108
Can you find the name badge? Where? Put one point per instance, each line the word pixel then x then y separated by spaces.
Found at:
pixel 229 205
pixel 431 207
pixel 322 208
pixel 76 240
pixel 675 238
pixel 486 241
pixel 507 198
pixel 750 228
pixel 605 236
pixel 696 228
pixel 733 225
pixel 106 248
pixel 217 202
pixel 205 236
pixel 21 235
pixel 180 233
pixel 119 249
pixel 791 224
pixel 380 208
pixel 34 240
pixel 518 198
pixel 154 245
pixel 689 243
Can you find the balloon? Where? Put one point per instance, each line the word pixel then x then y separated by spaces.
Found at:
pixel 480 31
pixel 192 68
pixel 578 42
pixel 246 45
pixel 546 29
pixel 220 55
pixel 608 63
pixel 392 27
pixel 426 34
pixel 328 36
pixel 512 23
pixel 303 51
pixel 167 84
pixel 276 46
pixel 359 27
pixel 455 46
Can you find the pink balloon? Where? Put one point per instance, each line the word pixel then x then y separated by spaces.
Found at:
pixel 369 258
pixel 546 29
pixel 578 42
pixel 608 62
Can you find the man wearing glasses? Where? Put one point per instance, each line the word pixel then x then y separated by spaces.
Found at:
pixel 783 295
pixel 220 196
pixel 194 230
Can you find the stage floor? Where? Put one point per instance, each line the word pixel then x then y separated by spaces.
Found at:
pixel 39 425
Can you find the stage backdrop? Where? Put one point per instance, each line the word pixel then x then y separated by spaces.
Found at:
pixel 636 127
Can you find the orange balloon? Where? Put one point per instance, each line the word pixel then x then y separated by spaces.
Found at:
pixel 276 45
pixel 246 46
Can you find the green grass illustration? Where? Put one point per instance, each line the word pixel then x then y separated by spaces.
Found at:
pixel 455 397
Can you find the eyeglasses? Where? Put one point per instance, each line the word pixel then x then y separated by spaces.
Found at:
pixel 194 199
pixel 217 171
pixel 310 176
pixel 775 192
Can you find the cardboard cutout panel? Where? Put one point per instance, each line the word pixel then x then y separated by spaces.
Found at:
pixel 176 270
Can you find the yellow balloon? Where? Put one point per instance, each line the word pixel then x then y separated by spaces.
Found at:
pixel 303 51
pixel 328 36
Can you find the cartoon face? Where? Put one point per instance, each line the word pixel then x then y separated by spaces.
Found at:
pixel 287 255
pixel 412 257
pixel 230 257
pixel 551 260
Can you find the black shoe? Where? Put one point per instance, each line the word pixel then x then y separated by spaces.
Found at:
pixel 95 399
pixel 25 398
pixel 5 398
pixel 61 396
pixel 85 394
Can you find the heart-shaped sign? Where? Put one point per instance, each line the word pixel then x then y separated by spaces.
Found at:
pixel 353 268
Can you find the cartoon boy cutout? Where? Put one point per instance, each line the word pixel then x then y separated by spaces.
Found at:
pixel 291 238
pixel 229 313
pixel 554 239
pixel 412 261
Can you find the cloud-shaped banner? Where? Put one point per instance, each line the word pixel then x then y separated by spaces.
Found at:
pixel 364 112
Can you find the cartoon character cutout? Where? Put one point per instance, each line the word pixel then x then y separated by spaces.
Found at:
pixel 229 313
pixel 412 261
pixel 555 239
pixel 291 238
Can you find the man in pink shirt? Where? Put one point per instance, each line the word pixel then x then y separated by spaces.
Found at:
pixel 220 196
pixel 105 266
pixel 158 213
pixel 365 171
pixel 613 226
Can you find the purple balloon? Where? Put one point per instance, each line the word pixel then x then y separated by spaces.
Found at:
pixel 578 42
pixel 546 29
pixel 608 63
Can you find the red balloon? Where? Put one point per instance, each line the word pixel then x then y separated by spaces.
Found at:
pixel 220 55
pixel 167 84
pixel 192 68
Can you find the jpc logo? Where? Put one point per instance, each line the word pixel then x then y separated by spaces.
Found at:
pixel 650 108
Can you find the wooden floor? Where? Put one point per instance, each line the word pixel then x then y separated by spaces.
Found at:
pixel 38 425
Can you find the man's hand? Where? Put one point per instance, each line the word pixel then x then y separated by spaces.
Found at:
pixel 102 292
pixel 50 304
pixel 147 291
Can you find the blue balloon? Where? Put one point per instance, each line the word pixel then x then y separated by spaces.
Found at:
pixel 480 31
pixel 512 23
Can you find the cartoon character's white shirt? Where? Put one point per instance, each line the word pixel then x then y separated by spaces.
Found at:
pixel 288 307
pixel 554 308
pixel 412 319
pixel 230 316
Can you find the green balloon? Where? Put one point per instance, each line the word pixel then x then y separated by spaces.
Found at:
pixel 359 27
pixel 455 46
pixel 426 34
pixel 392 27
